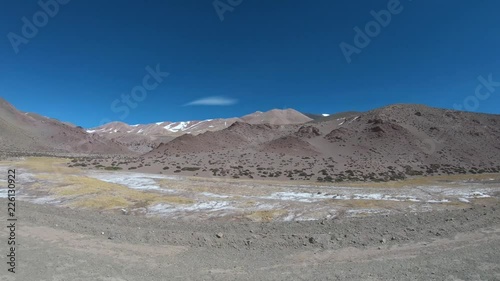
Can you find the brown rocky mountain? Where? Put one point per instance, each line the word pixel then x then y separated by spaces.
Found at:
pixel 335 116
pixel 239 135
pixel 387 143
pixel 276 117
pixel 29 132
pixel 145 137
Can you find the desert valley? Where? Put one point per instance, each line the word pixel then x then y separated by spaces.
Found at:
pixel 281 192
pixel 232 140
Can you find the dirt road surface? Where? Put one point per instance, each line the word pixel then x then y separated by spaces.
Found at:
pixel 56 243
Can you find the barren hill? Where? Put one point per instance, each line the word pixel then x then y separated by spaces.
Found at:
pixel 28 132
pixel 328 117
pixel 277 117
pixel 392 142
pixel 237 136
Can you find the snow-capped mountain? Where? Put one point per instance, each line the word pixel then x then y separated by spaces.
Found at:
pixel 144 137
pixel 273 117
pixel 165 128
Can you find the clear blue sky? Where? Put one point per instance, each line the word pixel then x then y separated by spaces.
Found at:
pixel 263 55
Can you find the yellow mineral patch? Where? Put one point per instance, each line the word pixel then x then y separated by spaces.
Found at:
pixel 265 216
pixel 81 185
pixel 223 188
pixel 89 192
pixel 246 204
pixel 50 165
pixel 371 204
pixel 456 204
pixel 488 200
pixel 102 202
pixel 423 181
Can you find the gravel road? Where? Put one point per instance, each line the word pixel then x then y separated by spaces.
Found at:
pixel 57 243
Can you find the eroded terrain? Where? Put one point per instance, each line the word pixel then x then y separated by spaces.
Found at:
pixel 114 226
pixel 50 181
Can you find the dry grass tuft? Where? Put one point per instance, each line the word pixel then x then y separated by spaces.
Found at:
pixel 89 192
pixel 424 181
pixel 54 166
pixel 265 216
pixel 102 203
pixel 487 201
pixel 223 188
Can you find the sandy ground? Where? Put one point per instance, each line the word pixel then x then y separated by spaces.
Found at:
pixel 64 244
pixel 106 225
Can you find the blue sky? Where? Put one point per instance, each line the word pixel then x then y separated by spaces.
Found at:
pixel 263 55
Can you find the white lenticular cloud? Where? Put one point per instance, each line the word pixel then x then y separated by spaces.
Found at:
pixel 217 101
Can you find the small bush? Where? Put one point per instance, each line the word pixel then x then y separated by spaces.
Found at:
pixel 191 169
pixel 112 168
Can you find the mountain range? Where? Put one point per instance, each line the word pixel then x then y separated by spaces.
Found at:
pixel 144 137
pixel 387 143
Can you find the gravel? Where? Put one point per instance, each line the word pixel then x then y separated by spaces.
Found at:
pixel 65 244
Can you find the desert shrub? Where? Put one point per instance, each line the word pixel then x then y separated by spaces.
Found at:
pixel 112 168
pixel 328 179
pixel 191 169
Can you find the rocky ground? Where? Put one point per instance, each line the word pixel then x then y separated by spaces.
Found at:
pixel 84 225
pixel 46 180
pixel 64 244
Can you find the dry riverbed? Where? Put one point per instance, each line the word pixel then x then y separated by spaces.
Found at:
pixel 107 225
pixel 49 181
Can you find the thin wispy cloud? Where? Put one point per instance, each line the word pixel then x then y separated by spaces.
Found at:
pixel 213 101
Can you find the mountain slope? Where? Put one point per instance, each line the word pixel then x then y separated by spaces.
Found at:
pixel 328 117
pixel 276 117
pixel 28 132
pixel 392 142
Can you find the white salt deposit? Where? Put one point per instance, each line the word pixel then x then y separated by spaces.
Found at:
pixel 208 194
pixel 298 196
pixel 133 180
pixel 209 206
